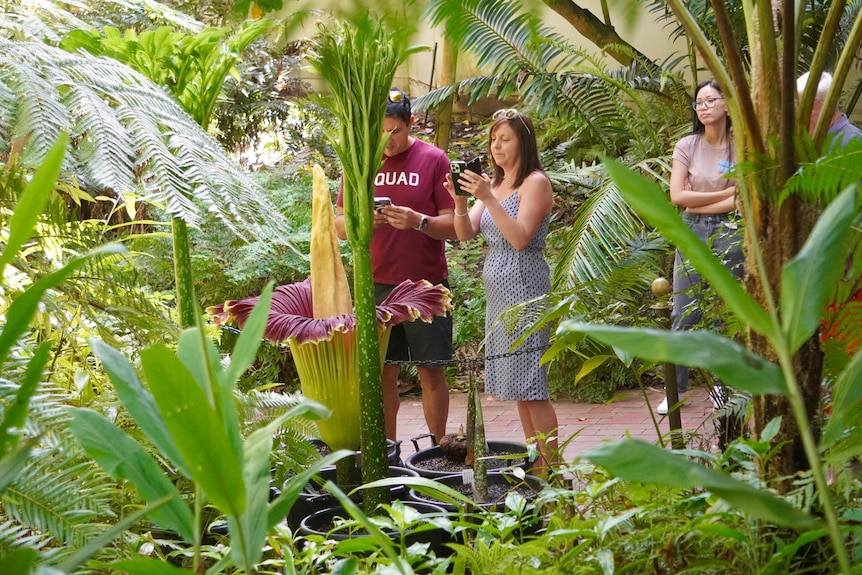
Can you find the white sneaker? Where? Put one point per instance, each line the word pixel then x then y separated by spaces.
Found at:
pixel 662 408
pixel 717 396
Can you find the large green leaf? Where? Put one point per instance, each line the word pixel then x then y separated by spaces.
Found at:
pixel 146 566
pixel 196 428
pixel 846 396
pixel 16 412
pixel 18 560
pixel 808 280
pixel 245 350
pixel 32 202
pixel 139 402
pixel 123 458
pixel 248 531
pixel 729 361
pixel 626 459
pixel 200 356
pixel 652 203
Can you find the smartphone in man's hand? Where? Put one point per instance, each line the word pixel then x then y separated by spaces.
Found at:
pixel 381 201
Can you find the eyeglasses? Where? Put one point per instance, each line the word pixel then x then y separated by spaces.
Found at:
pixel 708 103
pixel 396 96
pixel 511 114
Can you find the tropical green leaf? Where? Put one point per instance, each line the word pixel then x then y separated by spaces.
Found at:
pixel 21 311
pixel 808 280
pixel 625 459
pixel 139 402
pixel 32 202
pixel 18 561
pixel 198 431
pixel 123 458
pixel 846 399
pixel 648 199
pixel 16 412
pixel 146 566
pixel 730 362
pixel 245 350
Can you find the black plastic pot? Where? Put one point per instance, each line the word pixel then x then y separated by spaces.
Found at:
pixel 314 499
pixel 393 450
pixel 419 461
pixel 320 524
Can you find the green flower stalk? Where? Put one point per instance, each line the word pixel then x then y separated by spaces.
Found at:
pixel 358 59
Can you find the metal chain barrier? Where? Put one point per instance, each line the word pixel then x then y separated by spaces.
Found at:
pixel 468 361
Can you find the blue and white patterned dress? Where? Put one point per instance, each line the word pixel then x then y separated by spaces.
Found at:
pixel 512 277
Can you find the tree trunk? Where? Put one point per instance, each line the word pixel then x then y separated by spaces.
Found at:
pixel 599 33
pixel 444 111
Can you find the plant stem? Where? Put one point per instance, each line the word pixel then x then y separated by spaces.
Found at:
pixel 372 429
pixel 797 404
pixel 186 303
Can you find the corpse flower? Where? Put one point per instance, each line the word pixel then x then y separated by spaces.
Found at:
pixel 321 335
pixel 324 349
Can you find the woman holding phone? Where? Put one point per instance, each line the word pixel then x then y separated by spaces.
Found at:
pixel 512 210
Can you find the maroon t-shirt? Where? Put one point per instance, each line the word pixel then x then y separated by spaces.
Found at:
pixel 413 178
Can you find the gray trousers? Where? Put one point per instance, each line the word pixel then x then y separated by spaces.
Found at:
pixel 722 233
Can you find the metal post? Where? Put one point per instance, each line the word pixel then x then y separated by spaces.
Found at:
pixel 661 287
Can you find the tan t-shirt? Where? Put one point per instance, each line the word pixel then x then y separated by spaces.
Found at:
pixel 707 165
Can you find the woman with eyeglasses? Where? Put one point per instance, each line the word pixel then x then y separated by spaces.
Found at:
pixel 512 210
pixel 699 183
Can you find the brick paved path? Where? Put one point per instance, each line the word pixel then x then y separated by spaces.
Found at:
pixel 627 413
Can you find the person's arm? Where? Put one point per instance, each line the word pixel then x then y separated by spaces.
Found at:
pixel 439 226
pixel 697 201
pixel 466 220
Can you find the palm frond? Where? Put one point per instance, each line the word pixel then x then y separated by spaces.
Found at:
pixel 603 233
pixel 138 138
pixel 823 178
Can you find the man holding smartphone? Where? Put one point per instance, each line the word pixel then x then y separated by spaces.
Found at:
pixel 409 242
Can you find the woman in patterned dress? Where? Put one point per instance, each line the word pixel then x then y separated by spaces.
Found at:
pixel 512 211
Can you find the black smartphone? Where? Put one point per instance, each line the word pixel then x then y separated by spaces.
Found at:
pixel 457 167
pixel 381 201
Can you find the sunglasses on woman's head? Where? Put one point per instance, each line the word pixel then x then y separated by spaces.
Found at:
pixel 511 114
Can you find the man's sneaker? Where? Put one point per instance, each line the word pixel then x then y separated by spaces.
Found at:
pixel 717 396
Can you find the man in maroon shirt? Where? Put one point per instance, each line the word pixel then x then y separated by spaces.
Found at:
pixel 409 242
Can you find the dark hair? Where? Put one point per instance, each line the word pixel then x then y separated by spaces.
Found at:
pixel 697 125
pixel 527 148
pixel 401 107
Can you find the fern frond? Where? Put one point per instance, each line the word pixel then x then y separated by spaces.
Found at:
pixel 61 494
pixel 822 179
pixel 158 150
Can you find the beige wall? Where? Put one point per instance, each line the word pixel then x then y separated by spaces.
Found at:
pixel 415 76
